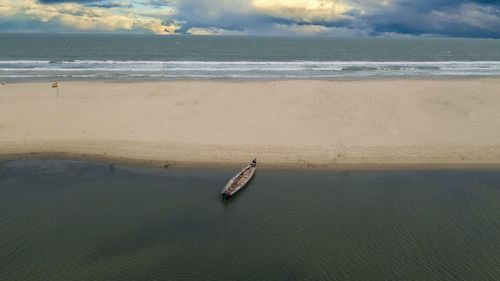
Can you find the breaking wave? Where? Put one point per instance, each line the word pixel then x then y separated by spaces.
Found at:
pixel 138 70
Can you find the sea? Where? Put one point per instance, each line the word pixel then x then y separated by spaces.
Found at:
pixel 42 57
pixel 72 220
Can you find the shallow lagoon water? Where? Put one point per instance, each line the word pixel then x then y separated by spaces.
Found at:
pixel 69 220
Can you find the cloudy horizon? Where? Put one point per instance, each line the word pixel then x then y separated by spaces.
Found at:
pixel 452 18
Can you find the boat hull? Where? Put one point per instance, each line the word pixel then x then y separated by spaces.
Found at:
pixel 239 181
pixel 226 196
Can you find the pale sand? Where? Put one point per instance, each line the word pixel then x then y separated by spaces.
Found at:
pixel 325 124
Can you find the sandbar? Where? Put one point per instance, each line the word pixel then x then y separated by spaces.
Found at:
pixel 366 124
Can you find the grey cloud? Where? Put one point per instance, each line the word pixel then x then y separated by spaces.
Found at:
pixel 448 18
pixel 463 18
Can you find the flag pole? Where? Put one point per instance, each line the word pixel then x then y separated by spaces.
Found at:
pixel 56 85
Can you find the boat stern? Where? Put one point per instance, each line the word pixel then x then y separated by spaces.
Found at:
pixel 225 196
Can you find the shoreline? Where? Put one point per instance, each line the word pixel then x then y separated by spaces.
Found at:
pixel 115 160
pixel 313 124
pixel 257 80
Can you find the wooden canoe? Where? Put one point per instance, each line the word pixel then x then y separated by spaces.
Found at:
pixel 239 181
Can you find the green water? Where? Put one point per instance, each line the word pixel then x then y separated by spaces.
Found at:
pixel 63 220
pixel 117 47
pixel 125 57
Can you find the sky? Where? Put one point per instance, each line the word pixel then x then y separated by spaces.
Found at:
pixel 384 18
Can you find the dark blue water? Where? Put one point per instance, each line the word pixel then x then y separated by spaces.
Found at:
pixel 63 220
pixel 40 57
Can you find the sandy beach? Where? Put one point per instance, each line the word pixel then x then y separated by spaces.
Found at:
pixel 406 123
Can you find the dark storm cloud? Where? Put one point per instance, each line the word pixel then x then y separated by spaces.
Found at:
pixel 459 18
